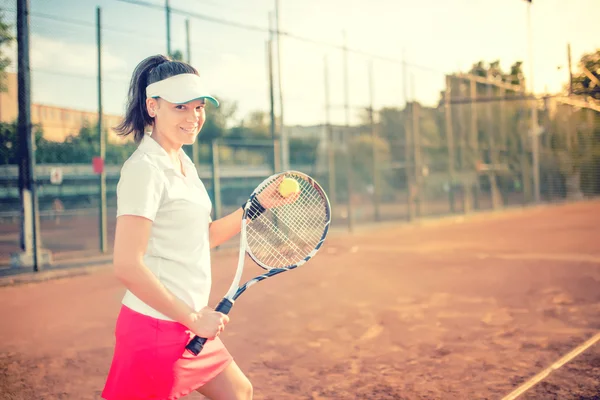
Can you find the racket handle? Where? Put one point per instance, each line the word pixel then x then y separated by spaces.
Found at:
pixel 196 345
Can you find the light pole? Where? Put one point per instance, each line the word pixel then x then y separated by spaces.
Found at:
pixel 534 129
pixel 168 17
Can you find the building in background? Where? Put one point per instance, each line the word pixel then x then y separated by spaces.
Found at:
pixel 57 123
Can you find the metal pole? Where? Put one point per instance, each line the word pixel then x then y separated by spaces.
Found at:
pixel 404 77
pixel 535 140
pixel 449 143
pixel 216 183
pixel 494 193
pixel 276 154
pixel 187 41
pixel 349 174
pixel 465 150
pixel 285 159
pixel 29 222
pixel 373 145
pixel 168 16
pixel 329 133
pixel 101 136
pixel 503 149
pixel 276 143
pixel 416 146
pixel 570 69
pixel 407 143
pixel 188 51
pixel 474 133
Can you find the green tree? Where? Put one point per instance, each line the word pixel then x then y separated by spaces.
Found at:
pixel 81 148
pixel 5 39
pixel 304 151
pixel 391 124
pixel 255 126
pixel 258 125
pixel 515 76
pixel 217 120
pixel 177 55
pixel 9 143
pixel 361 152
pixel 582 83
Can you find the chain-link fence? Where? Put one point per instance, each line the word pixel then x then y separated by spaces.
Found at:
pixel 387 139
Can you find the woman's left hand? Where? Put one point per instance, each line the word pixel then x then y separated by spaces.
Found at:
pixel 270 196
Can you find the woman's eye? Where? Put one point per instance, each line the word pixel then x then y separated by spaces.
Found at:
pixel 179 107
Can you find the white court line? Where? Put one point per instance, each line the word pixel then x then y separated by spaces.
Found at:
pixel 562 361
pixel 433 250
pixel 588 258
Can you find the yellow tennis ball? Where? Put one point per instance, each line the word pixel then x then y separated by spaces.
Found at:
pixel 288 186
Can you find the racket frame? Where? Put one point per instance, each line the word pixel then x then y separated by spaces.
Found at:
pixel 226 303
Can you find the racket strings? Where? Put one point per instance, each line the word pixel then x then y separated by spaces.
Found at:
pixel 273 248
pixel 304 229
pixel 270 255
pixel 297 247
pixel 285 235
pixel 267 244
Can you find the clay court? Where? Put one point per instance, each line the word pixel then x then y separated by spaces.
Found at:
pixel 458 308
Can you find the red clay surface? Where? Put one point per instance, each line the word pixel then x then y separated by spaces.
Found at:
pixel 448 310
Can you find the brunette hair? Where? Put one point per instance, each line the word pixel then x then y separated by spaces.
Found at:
pixel 152 69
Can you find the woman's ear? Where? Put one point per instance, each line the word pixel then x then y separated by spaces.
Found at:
pixel 151 106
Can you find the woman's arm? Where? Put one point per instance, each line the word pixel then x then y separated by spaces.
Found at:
pixel 225 228
pixel 131 240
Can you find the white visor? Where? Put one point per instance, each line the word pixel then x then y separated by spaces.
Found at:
pixel 180 89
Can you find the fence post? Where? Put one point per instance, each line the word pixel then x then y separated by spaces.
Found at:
pixel 101 137
pixel 495 195
pixel 503 140
pixel 474 139
pixel 276 144
pixel 466 164
pixel 349 172
pixel 418 162
pixel 408 162
pixel 350 186
pixel 449 142
pixel 30 235
pixel 216 184
pixel 329 135
pixel 374 146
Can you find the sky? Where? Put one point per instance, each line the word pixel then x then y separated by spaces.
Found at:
pixel 435 37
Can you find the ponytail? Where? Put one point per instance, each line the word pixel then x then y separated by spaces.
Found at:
pixel 152 69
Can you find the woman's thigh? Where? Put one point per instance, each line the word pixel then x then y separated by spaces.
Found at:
pixel 231 384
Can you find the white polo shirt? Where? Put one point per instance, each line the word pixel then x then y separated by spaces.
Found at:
pixel 178 250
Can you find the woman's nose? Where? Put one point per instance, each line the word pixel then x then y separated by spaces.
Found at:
pixel 193 116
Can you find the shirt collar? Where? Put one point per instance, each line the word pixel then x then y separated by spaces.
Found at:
pixel 151 148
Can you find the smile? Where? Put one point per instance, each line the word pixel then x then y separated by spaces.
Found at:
pixel 190 131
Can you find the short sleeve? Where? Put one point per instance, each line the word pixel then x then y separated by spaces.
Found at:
pixel 139 190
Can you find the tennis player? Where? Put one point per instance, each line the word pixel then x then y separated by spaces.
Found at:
pixel 162 247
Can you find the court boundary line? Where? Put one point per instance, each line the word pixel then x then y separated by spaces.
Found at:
pixel 553 367
pixel 563 257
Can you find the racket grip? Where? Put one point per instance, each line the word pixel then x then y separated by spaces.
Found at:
pixel 224 306
pixel 196 345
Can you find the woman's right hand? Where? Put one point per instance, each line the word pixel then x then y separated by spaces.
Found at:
pixel 207 323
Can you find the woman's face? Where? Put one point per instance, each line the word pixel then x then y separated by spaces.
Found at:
pixel 178 124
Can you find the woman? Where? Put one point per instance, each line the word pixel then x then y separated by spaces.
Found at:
pixel 162 248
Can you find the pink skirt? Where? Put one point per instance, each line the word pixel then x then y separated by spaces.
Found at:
pixel 150 360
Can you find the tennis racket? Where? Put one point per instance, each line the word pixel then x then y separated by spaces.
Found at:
pixel 285 223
